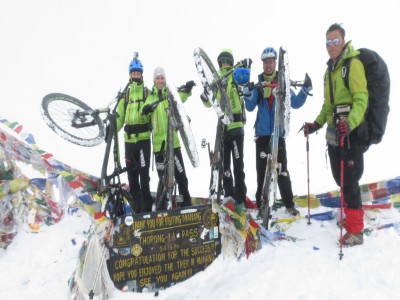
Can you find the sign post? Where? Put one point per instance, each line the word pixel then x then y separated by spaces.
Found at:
pixel 161 249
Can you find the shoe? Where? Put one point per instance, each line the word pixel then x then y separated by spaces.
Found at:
pixel 340 224
pixel 352 239
pixel 293 211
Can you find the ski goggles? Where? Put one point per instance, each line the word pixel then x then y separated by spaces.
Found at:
pixel 334 42
pixel 226 60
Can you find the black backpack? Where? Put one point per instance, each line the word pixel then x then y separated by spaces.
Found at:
pixel 378 84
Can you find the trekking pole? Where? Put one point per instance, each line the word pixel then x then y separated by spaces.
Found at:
pixel 342 194
pixel 305 129
pixel 308 176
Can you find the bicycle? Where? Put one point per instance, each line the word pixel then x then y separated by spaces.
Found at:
pixel 281 125
pixel 177 120
pixel 76 122
pixel 215 86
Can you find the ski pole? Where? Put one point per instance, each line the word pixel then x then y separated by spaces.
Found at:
pixel 342 194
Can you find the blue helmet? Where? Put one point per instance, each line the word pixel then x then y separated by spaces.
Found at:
pixel 135 65
pixel 241 75
pixel 268 53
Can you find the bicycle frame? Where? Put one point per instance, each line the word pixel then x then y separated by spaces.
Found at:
pixel 110 184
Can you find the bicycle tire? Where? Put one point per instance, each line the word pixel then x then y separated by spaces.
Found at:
pixel 161 196
pixel 212 83
pixel 114 200
pixel 271 172
pixel 265 208
pixel 183 125
pixel 284 89
pixel 57 111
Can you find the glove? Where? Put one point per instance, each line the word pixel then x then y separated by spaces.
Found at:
pixel 310 128
pixel 343 129
pixel 307 84
pixel 246 63
pixel 147 109
pixel 248 88
pixel 205 96
pixel 187 87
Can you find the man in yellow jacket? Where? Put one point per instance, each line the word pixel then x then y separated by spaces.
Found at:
pixel 234 184
pixel 344 110
pixel 137 138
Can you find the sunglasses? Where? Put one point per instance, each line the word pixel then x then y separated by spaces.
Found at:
pixel 334 42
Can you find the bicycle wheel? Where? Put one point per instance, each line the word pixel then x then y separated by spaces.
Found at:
pixel 161 196
pixel 284 91
pixel 269 182
pixel 212 83
pixel 72 120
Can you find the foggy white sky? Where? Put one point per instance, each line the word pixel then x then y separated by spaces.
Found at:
pixel 83 48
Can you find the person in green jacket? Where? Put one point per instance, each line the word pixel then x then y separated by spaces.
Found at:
pixel 137 138
pixel 159 124
pixel 343 111
pixel 233 133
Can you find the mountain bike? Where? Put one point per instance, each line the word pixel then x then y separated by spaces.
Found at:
pixel 76 122
pixel 166 188
pixel 215 86
pixel 281 127
pixel 177 119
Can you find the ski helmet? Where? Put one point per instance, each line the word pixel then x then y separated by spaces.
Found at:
pixel 241 75
pixel 225 55
pixel 135 65
pixel 268 52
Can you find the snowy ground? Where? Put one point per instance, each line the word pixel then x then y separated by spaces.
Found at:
pixel 38 266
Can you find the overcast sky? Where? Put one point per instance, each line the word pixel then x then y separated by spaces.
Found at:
pixel 83 48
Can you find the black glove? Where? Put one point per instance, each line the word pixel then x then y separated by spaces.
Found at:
pixel 187 87
pixel 246 63
pixel 310 128
pixel 247 90
pixel 148 109
pixel 205 96
pixel 307 84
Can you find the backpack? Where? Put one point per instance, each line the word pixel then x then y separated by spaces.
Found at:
pixel 378 85
pixel 145 93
